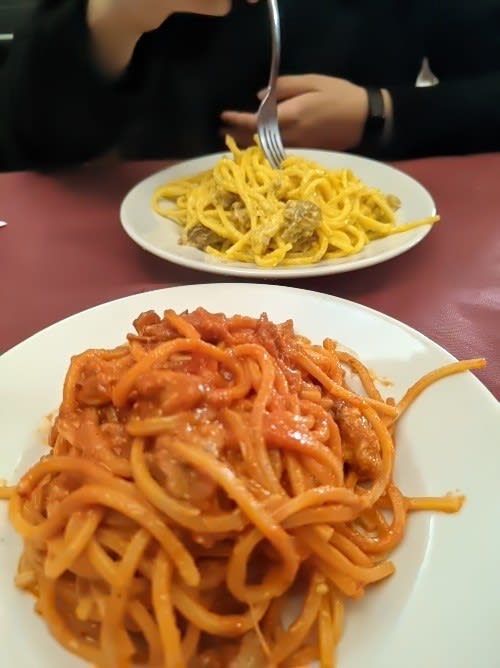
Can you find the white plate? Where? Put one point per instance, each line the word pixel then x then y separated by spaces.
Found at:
pixel 440 609
pixel 160 236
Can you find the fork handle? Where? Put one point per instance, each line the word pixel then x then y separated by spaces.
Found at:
pixel 274 17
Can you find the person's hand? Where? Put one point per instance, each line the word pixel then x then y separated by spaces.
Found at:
pixel 140 17
pixel 117 25
pixel 314 111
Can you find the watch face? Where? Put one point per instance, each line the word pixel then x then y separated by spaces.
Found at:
pixel 375 121
pixel 376 107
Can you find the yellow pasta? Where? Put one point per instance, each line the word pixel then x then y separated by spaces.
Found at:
pixel 243 210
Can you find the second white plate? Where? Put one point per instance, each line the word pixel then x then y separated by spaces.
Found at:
pixel 160 236
pixel 440 609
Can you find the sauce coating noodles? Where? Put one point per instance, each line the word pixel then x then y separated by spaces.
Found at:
pixel 243 210
pixel 200 476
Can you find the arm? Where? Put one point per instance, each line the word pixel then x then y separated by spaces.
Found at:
pixel 58 104
pixel 74 79
pixel 457 116
pixel 461 114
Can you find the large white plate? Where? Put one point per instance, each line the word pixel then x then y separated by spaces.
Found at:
pixel 160 236
pixel 440 609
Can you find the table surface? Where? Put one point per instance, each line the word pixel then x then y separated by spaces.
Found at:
pixel 64 250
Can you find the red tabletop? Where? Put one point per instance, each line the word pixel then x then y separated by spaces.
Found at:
pixel 64 250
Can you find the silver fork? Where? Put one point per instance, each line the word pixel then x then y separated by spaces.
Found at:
pixel 267 117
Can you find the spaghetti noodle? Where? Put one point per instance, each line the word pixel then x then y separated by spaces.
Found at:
pixel 243 210
pixel 198 476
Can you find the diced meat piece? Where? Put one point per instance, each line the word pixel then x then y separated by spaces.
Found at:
pixel 152 329
pixel 262 235
pixel 240 214
pixel 360 443
pixel 226 199
pixel 394 202
pixel 302 219
pixel 182 481
pixel 211 326
pixel 146 319
pixel 200 237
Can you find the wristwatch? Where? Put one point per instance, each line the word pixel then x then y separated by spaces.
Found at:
pixel 373 131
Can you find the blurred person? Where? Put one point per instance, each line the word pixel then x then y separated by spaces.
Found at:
pixel 167 78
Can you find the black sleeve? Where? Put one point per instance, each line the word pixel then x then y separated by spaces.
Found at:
pixel 462 113
pixel 56 107
pixel 455 117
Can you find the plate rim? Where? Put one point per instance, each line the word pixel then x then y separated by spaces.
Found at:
pixel 322 268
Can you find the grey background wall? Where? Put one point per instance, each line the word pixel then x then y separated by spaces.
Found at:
pixel 12 14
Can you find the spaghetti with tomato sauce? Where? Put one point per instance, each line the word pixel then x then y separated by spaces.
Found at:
pixel 199 475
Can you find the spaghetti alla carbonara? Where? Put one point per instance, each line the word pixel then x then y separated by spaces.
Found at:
pixel 243 210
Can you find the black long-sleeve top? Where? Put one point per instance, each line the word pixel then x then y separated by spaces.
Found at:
pixel 57 108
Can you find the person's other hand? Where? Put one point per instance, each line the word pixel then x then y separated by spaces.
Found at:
pixel 314 111
pixel 117 25
pixel 139 17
